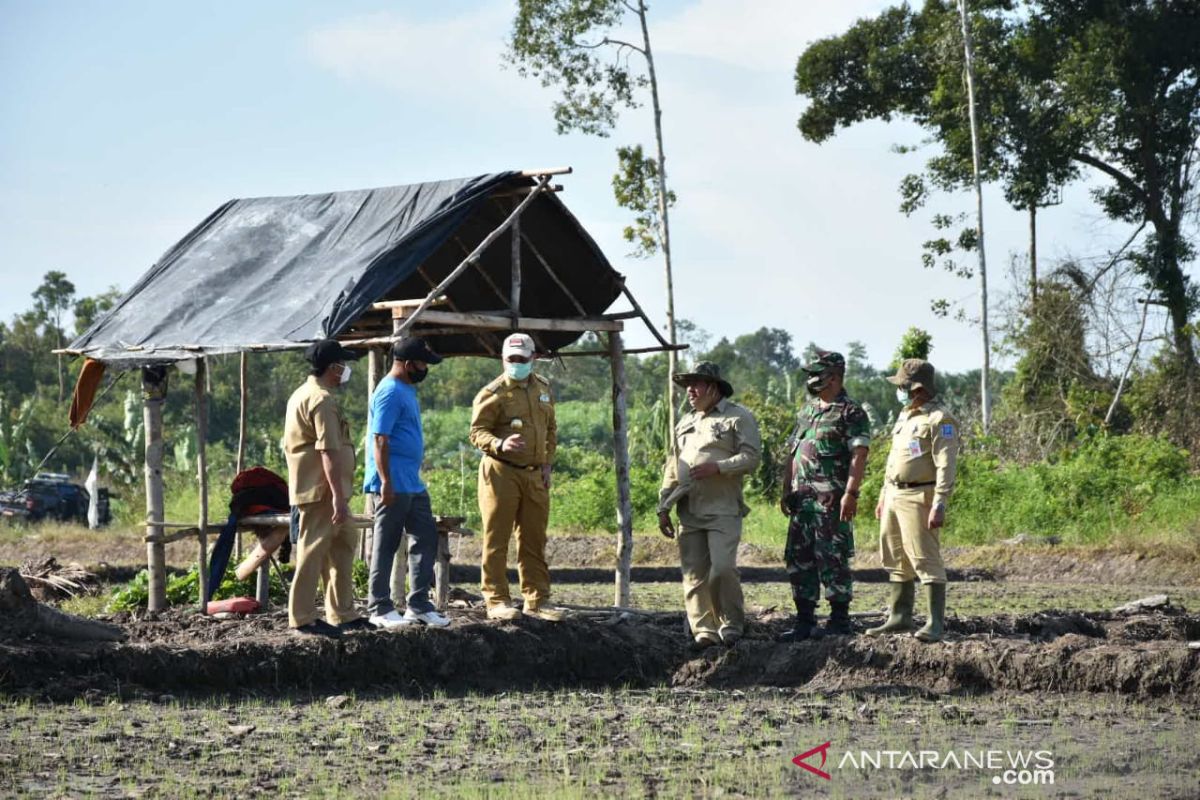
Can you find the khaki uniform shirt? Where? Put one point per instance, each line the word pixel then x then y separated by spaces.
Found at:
pixel 314 423
pixel 728 435
pixel 925 449
pixel 503 401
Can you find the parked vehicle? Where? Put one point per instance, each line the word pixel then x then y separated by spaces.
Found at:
pixel 52 495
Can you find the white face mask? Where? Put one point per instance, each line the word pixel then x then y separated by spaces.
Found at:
pixel 345 375
pixel 902 396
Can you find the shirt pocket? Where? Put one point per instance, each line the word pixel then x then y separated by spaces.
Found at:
pixel 829 441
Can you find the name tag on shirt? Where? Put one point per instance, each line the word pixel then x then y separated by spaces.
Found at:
pixel 544 398
pixel 914 448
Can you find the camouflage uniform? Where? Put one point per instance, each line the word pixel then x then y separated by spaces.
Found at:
pixel 819 544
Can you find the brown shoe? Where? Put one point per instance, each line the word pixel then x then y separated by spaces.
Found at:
pixel 503 612
pixel 706 640
pixel 548 613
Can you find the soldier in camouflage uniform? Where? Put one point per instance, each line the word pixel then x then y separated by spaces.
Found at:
pixel 827 458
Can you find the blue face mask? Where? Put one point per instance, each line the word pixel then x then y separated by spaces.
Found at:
pixel 518 372
pixel 902 396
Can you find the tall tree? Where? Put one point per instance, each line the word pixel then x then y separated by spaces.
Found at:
pixel 1109 86
pixel 574 45
pixel 50 301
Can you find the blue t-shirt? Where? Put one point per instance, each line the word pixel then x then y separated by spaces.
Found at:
pixel 396 414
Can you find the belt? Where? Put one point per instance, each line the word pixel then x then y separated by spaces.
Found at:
pixel 528 467
pixel 904 485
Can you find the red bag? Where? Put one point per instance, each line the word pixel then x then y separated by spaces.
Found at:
pixel 234 605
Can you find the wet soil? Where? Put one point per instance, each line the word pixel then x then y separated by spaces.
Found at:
pixel 1139 655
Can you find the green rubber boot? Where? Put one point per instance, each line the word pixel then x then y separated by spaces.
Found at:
pixel 900 620
pixel 932 632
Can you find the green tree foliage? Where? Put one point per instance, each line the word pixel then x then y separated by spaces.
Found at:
pixel 1065 85
pixel 916 343
pixel 636 186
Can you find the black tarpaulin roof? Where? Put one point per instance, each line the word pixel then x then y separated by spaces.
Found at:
pixel 271 273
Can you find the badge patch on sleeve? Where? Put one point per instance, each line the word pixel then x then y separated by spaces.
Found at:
pixel 948 431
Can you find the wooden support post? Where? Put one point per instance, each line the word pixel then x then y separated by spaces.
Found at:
pixel 514 301
pixel 441 571
pixel 202 473
pixel 154 393
pixel 621 459
pixel 377 367
pixel 240 464
pixel 262 591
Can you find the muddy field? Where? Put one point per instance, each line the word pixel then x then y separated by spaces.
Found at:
pixel 618 704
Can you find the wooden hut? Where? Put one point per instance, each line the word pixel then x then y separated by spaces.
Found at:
pixel 460 262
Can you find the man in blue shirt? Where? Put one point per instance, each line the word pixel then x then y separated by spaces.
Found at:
pixel 395 440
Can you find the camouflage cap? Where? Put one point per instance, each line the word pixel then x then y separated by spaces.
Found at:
pixel 826 359
pixel 915 372
pixel 705 371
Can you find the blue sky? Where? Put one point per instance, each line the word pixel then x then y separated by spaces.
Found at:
pixel 123 124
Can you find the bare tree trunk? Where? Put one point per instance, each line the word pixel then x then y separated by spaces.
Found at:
pixel 663 222
pixel 616 359
pixel 983 295
pixel 1137 344
pixel 1033 269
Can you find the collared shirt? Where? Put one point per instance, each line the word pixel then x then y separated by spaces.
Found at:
pixel 314 423
pixel 501 404
pixel 824 440
pixel 924 449
pixel 727 434
pixel 396 414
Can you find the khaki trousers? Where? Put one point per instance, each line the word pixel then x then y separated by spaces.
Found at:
pixel 513 500
pixel 324 552
pixel 908 547
pixel 712 587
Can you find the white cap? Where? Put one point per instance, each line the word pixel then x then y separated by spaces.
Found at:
pixel 517 344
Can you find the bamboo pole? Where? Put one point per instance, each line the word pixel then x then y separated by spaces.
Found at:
pixel 240 464
pixel 466 262
pixel 154 391
pixel 515 299
pixel 376 369
pixel 202 474
pixel 621 459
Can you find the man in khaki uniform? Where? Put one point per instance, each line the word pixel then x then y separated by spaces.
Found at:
pixel 320 458
pixel 716 444
pixel 912 507
pixel 512 422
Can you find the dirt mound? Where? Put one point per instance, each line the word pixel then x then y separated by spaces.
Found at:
pixel 185 653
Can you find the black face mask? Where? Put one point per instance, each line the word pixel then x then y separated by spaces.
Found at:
pixel 417 375
pixel 816 384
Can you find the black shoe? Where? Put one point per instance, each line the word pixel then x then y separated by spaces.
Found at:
pixel 355 625
pixel 806 623
pixel 318 627
pixel 839 623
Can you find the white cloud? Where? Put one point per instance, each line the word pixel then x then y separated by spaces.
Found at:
pixel 455 57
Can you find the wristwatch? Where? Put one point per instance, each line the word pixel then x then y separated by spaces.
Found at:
pixel 853 493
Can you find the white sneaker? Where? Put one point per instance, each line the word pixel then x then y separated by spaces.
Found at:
pixel 391 619
pixel 426 618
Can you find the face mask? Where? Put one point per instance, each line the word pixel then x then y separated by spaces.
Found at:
pixel 518 372
pixel 902 396
pixel 816 384
pixel 345 374
pixel 417 375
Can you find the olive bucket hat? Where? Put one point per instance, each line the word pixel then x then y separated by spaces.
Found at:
pixel 915 372
pixel 705 371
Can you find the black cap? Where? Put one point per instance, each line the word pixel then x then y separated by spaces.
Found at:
pixel 328 351
pixel 414 348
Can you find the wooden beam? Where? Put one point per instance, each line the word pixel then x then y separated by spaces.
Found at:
pixel 440 289
pixel 514 301
pixel 429 281
pixel 630 351
pixel 496 322
pixel 240 463
pixel 638 308
pixel 534 173
pixel 154 392
pixel 621 463
pixel 483 273
pixel 202 474
pixel 388 305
